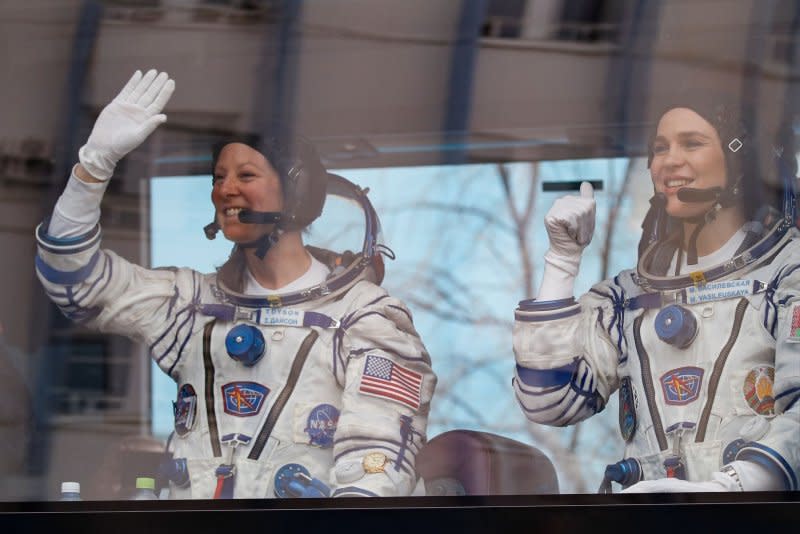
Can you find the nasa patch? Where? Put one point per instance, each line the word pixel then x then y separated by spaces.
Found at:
pixel 185 409
pixel 244 399
pixel 321 425
pixel 627 409
pixel 682 386
pixel 757 390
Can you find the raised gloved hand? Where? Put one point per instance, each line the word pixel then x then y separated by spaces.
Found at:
pixel 570 226
pixel 126 122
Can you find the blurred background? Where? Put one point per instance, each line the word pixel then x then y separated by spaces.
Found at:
pixel 465 118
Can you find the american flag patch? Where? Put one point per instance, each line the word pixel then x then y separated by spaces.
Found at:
pixel 794 332
pixel 384 378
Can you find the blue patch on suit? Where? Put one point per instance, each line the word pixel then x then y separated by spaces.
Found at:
pixel 294 480
pixel 627 409
pixel 185 409
pixel 244 399
pixel 682 385
pixel 321 425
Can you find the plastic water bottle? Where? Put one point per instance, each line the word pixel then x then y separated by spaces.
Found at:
pixel 145 489
pixel 70 491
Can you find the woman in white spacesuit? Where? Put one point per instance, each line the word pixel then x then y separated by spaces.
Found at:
pixel 702 339
pixel 298 375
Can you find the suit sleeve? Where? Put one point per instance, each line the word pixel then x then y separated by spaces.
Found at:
pixel 101 290
pixel 386 375
pixel 778 449
pixel 567 354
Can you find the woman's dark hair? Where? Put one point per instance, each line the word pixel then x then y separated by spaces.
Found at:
pixel 303 184
pixel 750 150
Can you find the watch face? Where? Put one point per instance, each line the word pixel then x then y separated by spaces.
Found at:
pixel 374 462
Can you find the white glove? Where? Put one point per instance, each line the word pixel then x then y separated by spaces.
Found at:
pixel 736 476
pixel 676 485
pixel 570 226
pixel 126 122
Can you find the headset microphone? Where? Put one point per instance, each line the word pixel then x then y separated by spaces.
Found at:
pixel 211 230
pixel 692 195
pixel 259 217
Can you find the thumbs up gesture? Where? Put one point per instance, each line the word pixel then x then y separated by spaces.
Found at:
pixel 570 226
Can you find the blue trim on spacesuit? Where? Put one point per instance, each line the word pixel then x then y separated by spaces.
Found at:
pixel 546 378
pixel 405 311
pixel 351 319
pixel 186 339
pixel 82 293
pixel 363 350
pixel 66 245
pixel 530 392
pixel 583 388
pixel 353 491
pixel 76 296
pixel 66 278
pixel 190 318
pixel 771 288
pixel 549 317
pixel 549 406
pixel 793 391
pixel 560 418
pixel 617 298
pixel 544 305
pixel 170 329
pixel 770 459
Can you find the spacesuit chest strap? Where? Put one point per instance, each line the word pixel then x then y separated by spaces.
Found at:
pixel 275 412
pixel 208 364
pixel 269 316
pixel 708 292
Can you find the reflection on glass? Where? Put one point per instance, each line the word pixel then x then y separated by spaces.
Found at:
pixel 466 121
pixel 700 339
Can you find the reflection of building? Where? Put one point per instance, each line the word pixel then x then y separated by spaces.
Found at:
pixel 376 83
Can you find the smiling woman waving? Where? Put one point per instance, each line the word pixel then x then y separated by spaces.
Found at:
pixel 297 374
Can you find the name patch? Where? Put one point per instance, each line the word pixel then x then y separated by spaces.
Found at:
pixel 728 289
pixel 185 409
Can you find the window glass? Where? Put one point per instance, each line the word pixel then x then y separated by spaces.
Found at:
pixel 418 336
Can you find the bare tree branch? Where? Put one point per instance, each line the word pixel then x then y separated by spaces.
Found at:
pixel 461 209
pixel 611 221
pixel 521 221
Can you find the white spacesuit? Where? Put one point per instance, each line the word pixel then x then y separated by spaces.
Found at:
pixel 707 363
pixel 320 391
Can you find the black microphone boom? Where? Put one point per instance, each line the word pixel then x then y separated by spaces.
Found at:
pixel 259 217
pixel 692 195
pixel 211 230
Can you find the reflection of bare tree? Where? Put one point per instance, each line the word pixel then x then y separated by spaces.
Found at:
pixel 522 219
pixel 502 232
pixel 616 195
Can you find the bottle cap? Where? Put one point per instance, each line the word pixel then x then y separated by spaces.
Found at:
pixel 70 487
pixel 145 483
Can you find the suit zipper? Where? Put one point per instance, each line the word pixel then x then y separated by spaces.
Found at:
pixel 211 415
pixel 280 402
pixel 647 380
pixel 719 364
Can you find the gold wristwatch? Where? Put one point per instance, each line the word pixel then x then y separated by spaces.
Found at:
pixel 374 462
